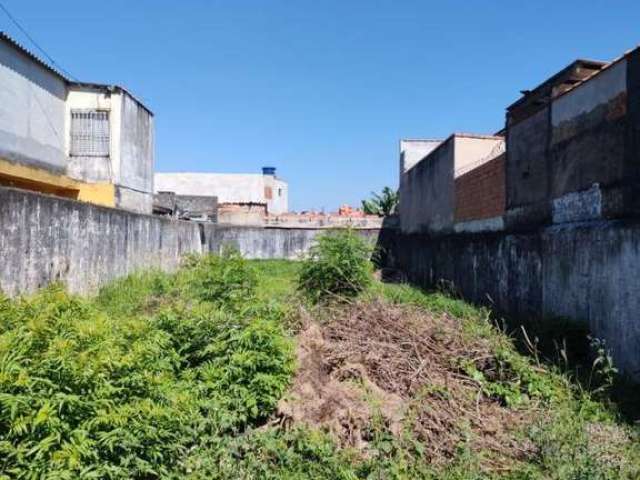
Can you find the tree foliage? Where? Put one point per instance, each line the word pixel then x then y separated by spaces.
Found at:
pixel 382 204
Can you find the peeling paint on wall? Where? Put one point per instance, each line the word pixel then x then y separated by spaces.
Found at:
pixel 578 206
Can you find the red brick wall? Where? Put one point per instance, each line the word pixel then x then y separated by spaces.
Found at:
pixel 480 193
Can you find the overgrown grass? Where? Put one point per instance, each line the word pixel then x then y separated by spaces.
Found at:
pixel 129 384
pixel 176 376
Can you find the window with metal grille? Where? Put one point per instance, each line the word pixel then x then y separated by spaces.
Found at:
pixel 89 133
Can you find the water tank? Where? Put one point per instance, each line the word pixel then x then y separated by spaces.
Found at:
pixel 269 170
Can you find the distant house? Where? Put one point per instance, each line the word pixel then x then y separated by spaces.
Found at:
pixel 242 197
pixel 86 141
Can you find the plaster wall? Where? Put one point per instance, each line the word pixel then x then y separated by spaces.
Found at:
pixel 137 142
pixel 92 169
pixel 44 239
pixel 412 151
pixel 32 112
pixel 584 272
pixel 427 192
pixel 228 187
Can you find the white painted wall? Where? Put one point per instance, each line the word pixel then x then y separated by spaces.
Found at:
pixel 32 111
pixel 228 187
pixel 412 151
pixel 91 169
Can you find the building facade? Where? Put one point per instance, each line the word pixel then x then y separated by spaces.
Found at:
pixel 242 198
pixel 434 177
pixel 573 145
pixel 89 142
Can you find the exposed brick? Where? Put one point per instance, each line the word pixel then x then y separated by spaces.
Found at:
pixel 480 193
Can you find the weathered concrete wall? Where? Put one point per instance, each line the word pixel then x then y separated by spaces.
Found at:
pixel 584 272
pixel 93 169
pixel 32 111
pixel 577 159
pixel 412 151
pixel 273 242
pixel 45 239
pixel 526 170
pixel 136 162
pixel 427 192
pixel 588 133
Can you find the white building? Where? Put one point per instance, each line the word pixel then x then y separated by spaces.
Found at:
pixel 85 141
pixel 231 188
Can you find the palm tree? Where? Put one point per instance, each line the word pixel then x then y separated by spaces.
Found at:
pixel 383 204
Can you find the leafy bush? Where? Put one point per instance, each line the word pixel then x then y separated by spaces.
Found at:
pixel 338 265
pixel 226 279
pixel 90 389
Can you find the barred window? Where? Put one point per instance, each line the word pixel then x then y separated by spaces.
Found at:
pixel 89 133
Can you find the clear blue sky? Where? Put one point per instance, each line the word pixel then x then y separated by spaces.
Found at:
pixel 321 89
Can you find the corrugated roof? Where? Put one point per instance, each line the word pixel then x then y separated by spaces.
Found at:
pixel 32 56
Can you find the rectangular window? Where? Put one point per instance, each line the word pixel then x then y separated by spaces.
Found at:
pixel 90 133
pixel 268 193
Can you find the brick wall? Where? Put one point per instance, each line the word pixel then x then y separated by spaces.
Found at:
pixel 480 193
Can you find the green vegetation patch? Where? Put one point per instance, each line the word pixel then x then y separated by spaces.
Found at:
pixel 125 386
pixel 185 376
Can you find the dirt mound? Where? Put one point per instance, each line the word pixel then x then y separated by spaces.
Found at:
pixel 402 366
pixel 336 398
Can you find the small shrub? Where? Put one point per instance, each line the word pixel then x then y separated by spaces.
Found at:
pixel 226 279
pixel 337 266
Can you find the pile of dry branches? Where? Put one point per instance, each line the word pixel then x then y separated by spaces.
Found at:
pixel 403 365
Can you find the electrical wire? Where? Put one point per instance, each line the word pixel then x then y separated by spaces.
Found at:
pixel 42 50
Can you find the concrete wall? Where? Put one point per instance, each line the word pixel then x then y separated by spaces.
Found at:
pixel 578 158
pixel 32 112
pixel 585 272
pixel 426 192
pixel 412 151
pixel 273 242
pixel 35 133
pixel 137 159
pixel 279 193
pixel 45 239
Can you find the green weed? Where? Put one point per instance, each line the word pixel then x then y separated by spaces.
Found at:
pixel 338 266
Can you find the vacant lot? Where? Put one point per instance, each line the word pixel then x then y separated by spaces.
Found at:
pixel 226 370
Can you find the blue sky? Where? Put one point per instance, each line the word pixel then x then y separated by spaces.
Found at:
pixel 323 90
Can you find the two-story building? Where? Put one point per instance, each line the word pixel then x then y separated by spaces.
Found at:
pixel 85 141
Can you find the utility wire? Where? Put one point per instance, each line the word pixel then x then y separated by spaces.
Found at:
pixel 51 60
